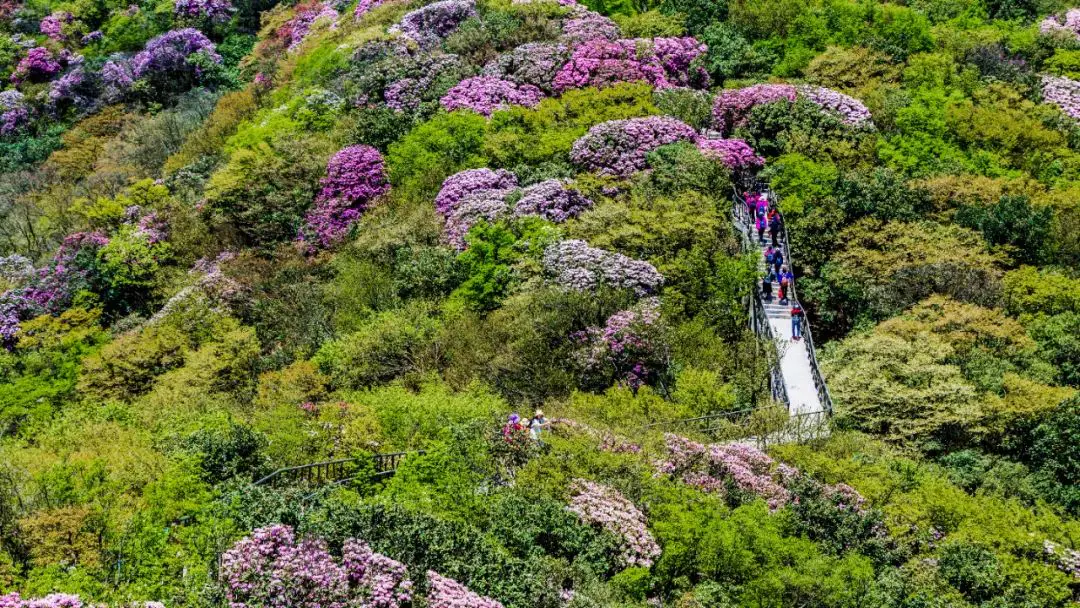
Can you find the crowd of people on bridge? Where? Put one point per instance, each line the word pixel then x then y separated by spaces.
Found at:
pixel 764 216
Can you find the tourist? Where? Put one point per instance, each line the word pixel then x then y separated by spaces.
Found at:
pixel 766 286
pixel 796 321
pixel 774 227
pixel 761 229
pixel 777 260
pixel 537 425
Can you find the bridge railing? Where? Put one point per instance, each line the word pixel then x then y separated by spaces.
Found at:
pixel 334 471
pixel 742 216
pixel 762 426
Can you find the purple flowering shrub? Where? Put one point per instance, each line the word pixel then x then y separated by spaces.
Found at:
pixel 585 25
pixel 724 469
pixel 471 181
pixel 850 110
pixel 1064 559
pixel 732 106
pixel 295 30
pixel 448 593
pixel 627 346
pixel 600 62
pixel 607 508
pixel 116 80
pixel 53 25
pixel 169 54
pixel 484 205
pixel 485 94
pixel 552 200
pixel 429 25
pixel 53 600
pixel 736 154
pixel 363 6
pixel 619 147
pixel 535 63
pixel 203 11
pixel 14 113
pixel 1067 25
pixel 574 265
pixel 355 177
pixel 271 567
pixel 1063 93
pixel 677 56
pixel 38 65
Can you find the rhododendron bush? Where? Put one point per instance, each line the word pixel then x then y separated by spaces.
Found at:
pixel 429 25
pixel 736 154
pixel 585 25
pixel 1063 93
pixel 355 177
pixel 663 63
pixel 606 507
pixel 1067 25
pixel 574 265
pixel 535 63
pixel 552 200
pixel 619 147
pixel 485 94
pixel 732 107
pixel 53 600
pixel 628 345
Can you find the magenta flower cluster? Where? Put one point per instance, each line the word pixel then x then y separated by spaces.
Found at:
pixel 736 154
pixel 1067 25
pixel 1063 93
pixel 215 11
pixel 296 29
pixel 607 508
pixel 406 94
pixel 850 110
pixel 53 25
pixel 169 53
pixel 677 56
pixel 485 94
pixel 429 25
pixel 448 593
pixel 732 107
pixel 534 63
pixel 574 265
pixel 39 65
pixel 552 200
pixel 600 62
pixel 619 147
pixel 355 177
pixel 363 6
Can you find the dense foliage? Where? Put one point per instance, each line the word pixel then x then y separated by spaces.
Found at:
pixel 238 236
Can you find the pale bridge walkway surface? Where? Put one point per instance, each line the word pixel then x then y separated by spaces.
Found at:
pixel 802 388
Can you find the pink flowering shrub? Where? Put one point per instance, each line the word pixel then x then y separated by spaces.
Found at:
pixel 355 177
pixel 552 200
pixel 1064 559
pixel 619 147
pixel 471 181
pixel 677 56
pixel 167 58
pixel 429 25
pixel 574 265
pixel 447 593
pixel 14 113
pixel 736 154
pixel 271 568
pixel 296 29
pixel 724 468
pixel 38 65
pixel 1063 93
pixel 485 94
pixel 53 600
pixel 732 106
pixel 535 63
pixel 606 507
pixel 1067 25
pixel 850 110
pixel 600 62
pixel 585 25
pixel 626 346
pixel 363 6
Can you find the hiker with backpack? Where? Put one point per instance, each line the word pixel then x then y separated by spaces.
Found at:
pixel 777 261
pixel 761 229
pixel 774 226
pixel 785 285
pixel 766 286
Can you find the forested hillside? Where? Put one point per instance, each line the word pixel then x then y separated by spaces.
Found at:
pixel 479 256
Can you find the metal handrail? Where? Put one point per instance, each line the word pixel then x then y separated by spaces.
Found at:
pixel 385 464
pixel 743 218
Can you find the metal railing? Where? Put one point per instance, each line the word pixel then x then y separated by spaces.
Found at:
pixel 742 219
pixel 763 426
pixel 334 471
